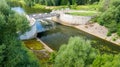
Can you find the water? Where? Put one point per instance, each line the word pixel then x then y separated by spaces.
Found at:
pixel 18 10
pixel 46 25
pixel 60 35
pixel 39 26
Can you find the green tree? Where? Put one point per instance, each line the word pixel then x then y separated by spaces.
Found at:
pixel 101 60
pixel 111 17
pixel 69 6
pixel 77 53
pixel 64 2
pixel 30 3
pixel 104 5
pixel 2 47
pixel 12 52
pixel 15 3
pixel 106 60
pixel 17 55
pixel 53 2
pixel 73 2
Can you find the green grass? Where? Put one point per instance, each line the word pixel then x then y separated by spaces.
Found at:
pixel 57 7
pixel 33 44
pixel 82 13
pixel 86 7
pixel 36 9
pixel 76 7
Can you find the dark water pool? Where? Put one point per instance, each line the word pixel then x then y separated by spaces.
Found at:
pixel 60 35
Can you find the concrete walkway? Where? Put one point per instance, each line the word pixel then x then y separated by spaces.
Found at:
pixel 45 46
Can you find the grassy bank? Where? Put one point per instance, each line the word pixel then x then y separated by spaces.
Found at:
pixel 86 7
pixel 76 7
pixel 82 13
pixel 36 9
pixel 39 51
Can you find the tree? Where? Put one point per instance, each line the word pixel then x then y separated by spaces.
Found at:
pixel 30 3
pixel 69 6
pixel 15 3
pixel 17 55
pixel 73 2
pixel 104 5
pixel 2 47
pixel 59 2
pixel 53 2
pixel 77 53
pixel 106 60
pixel 101 60
pixel 12 51
pixel 111 17
pixel 64 2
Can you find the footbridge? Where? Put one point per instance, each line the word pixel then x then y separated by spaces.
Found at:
pixel 43 16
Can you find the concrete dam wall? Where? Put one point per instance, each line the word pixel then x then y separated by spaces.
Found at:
pixel 70 19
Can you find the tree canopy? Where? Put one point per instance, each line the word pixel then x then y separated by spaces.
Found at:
pixel 12 51
pixel 77 53
pixel 106 60
pixel 111 17
pixel 60 2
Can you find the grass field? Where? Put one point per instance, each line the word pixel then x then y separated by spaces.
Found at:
pixel 87 7
pixel 36 9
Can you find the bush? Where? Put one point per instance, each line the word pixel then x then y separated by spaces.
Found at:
pixel 111 18
pixel 118 32
pixel 109 34
pixel 107 61
pixel 52 57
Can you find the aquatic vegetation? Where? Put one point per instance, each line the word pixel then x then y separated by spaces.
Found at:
pixel 33 44
pixel 60 35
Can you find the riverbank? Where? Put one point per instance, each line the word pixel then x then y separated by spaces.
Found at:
pixel 94 29
pixel 45 46
pixel 40 49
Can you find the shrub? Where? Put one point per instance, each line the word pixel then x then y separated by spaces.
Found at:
pixel 111 17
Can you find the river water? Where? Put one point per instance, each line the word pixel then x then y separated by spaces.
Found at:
pixel 60 35
pixel 55 37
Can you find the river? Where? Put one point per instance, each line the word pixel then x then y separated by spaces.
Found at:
pixel 60 35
